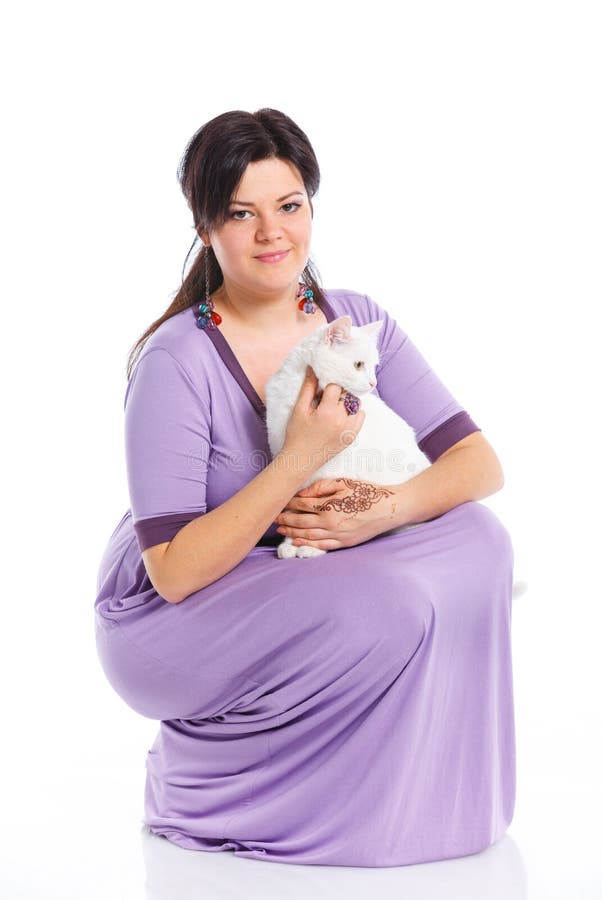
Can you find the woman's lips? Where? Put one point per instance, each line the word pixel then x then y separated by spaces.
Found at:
pixel 272 257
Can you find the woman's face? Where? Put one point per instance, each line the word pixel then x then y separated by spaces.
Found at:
pixel 269 213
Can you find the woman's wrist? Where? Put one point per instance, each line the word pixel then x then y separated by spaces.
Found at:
pixel 393 508
pixel 297 462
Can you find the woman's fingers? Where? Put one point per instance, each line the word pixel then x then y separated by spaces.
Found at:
pixel 300 519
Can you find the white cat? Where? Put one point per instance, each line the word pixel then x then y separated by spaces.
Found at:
pixel 384 450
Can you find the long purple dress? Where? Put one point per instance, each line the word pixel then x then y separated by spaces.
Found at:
pixel 352 709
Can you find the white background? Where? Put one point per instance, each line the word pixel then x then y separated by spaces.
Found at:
pixel 460 147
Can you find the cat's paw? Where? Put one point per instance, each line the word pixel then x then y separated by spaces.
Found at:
pixel 305 551
pixel 286 550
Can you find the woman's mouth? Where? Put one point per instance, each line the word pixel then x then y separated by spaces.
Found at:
pixel 273 257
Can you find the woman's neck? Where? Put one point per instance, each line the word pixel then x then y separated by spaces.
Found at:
pixel 257 311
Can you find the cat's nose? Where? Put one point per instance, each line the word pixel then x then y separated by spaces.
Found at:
pixel 373 383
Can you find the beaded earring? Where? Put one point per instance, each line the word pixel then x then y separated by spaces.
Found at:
pixel 208 318
pixel 306 303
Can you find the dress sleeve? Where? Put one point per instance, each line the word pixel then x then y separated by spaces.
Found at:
pixel 408 384
pixel 167 446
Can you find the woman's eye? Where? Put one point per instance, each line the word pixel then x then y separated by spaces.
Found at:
pixel 239 214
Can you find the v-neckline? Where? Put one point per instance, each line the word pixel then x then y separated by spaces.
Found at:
pixel 232 364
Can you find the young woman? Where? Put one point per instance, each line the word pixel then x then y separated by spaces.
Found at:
pixel 350 709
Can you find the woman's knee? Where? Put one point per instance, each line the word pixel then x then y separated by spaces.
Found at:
pixel 493 536
pixel 149 686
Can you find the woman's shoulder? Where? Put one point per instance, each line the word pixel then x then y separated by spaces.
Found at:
pixel 361 307
pixel 182 339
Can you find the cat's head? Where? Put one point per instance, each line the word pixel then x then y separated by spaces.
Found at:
pixel 347 354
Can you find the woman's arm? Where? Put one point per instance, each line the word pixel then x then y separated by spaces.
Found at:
pixel 337 512
pixel 210 545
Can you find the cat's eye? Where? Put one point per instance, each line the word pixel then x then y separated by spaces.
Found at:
pixel 358 365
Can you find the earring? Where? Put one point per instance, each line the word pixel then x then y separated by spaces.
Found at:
pixel 207 318
pixel 306 303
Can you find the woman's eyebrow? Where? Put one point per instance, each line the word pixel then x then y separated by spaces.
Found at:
pixel 279 200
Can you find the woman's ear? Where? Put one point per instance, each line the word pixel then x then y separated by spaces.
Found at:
pixel 202 233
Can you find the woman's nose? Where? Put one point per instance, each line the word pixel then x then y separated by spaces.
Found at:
pixel 268 229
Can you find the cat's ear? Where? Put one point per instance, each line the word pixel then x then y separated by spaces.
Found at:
pixel 339 331
pixel 373 328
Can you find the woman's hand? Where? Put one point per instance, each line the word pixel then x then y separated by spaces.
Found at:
pixel 337 512
pixel 322 431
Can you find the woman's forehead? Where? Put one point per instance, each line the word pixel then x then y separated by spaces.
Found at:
pixel 270 178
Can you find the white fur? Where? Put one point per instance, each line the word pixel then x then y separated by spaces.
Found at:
pixel 385 449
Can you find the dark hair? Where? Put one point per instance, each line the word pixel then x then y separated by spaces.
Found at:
pixel 209 172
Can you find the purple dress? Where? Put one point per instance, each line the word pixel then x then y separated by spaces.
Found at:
pixel 352 709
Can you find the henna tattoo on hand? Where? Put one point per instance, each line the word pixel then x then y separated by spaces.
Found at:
pixel 364 495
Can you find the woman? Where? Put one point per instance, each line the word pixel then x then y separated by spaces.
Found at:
pixel 350 709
